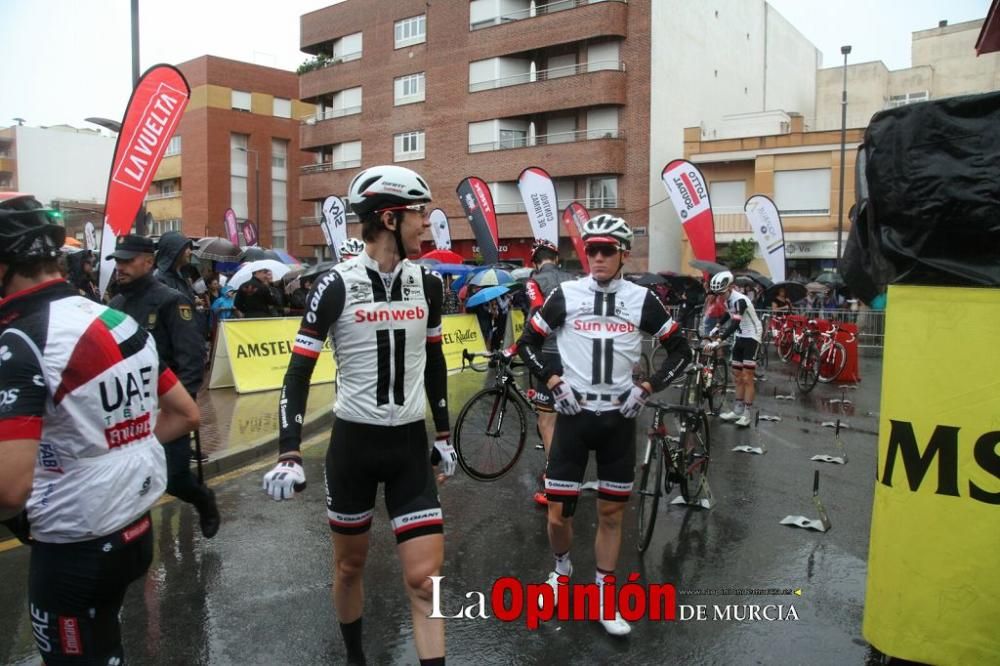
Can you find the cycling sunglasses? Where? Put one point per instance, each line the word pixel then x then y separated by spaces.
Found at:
pixel 603 250
pixel 417 208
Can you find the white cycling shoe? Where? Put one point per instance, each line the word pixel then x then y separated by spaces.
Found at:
pixel 743 421
pixel 553 582
pixel 617 626
pixel 729 416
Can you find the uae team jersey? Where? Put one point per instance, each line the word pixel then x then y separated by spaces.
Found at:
pixel 382 329
pixel 599 335
pixel 84 381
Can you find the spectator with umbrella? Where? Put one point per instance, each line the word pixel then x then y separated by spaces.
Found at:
pixel 254 296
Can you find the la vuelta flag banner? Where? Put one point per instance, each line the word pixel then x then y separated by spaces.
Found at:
pixel 573 218
pixel 767 230
pixel 232 227
pixel 334 223
pixel 440 230
pixel 478 204
pixel 539 196
pixel 689 193
pixel 151 117
pixel 250 235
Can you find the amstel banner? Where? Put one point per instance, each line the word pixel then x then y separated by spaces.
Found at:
pixel 253 354
pixel 933 579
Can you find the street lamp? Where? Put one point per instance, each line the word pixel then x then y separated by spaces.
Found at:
pixel 256 179
pixel 845 50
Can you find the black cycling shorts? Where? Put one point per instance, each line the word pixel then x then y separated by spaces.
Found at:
pixel 611 436
pixel 75 592
pixel 360 457
pixel 745 353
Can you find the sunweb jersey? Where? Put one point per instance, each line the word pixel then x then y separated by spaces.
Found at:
pixel 741 317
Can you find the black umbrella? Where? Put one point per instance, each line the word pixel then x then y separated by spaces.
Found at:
pixel 256 254
pixel 645 279
pixel 830 279
pixel 759 278
pixel 794 291
pixel 318 269
pixel 685 283
pixel 709 267
pixel 214 248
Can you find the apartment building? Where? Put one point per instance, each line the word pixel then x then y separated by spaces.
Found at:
pixel 597 92
pixel 944 63
pixel 237 146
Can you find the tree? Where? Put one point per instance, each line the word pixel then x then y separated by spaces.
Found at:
pixel 740 253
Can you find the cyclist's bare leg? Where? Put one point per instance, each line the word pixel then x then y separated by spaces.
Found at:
pixel 609 533
pixel 421 558
pixel 740 382
pixel 349 554
pixel 546 426
pixel 560 529
pixel 749 385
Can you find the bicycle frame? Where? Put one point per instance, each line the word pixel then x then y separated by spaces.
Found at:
pixel 504 378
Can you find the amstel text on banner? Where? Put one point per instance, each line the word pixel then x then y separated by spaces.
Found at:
pixel 933 580
pixel 257 351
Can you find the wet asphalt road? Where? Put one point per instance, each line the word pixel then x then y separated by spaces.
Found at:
pixel 259 592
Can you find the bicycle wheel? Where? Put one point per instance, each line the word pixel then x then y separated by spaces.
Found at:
pixel 694 457
pixel 832 362
pixel 761 357
pixel 649 491
pixel 808 372
pixel 486 445
pixel 717 390
pixel 785 344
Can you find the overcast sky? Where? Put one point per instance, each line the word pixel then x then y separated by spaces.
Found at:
pixel 64 60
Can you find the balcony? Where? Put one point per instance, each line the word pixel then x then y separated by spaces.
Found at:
pixel 319 183
pixel 583 158
pixel 506 34
pixel 555 138
pixel 533 12
pixel 314 118
pixel 330 166
pixel 546 74
pixel 163 195
pixel 585 89
pixel 330 132
pixel 336 74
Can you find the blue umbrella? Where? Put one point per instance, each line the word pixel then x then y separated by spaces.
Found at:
pixel 454 269
pixel 486 295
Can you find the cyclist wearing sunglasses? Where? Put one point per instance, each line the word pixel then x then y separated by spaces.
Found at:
pixel 382 314
pixel 598 322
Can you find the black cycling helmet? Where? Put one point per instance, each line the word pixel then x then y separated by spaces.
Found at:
pixel 29 234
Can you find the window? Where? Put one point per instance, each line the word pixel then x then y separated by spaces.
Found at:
pixel 241 100
pixel 802 192
pixel 345 102
pixel 346 155
pixel 513 138
pixel 409 146
pixel 409 89
pixel 411 30
pixel 279 193
pixel 602 192
pixel 160 227
pixel 238 174
pixel 282 108
pixel 347 48
pixel 728 196
pixel 908 98
pixel 174 147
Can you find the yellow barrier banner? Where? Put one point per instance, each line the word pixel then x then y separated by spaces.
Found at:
pixel 933 593
pixel 517 317
pixel 460 332
pixel 253 354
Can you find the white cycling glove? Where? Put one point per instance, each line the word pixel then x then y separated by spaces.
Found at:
pixel 286 479
pixel 564 400
pixel 633 401
pixel 444 457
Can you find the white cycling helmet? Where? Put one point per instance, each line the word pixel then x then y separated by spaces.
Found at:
pixel 352 247
pixel 607 229
pixel 720 282
pixel 385 186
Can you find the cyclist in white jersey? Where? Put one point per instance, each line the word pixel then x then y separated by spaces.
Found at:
pixel 740 318
pixel 83 403
pixel 382 315
pixel 598 322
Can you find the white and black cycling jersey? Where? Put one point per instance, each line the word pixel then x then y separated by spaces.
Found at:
pixel 741 317
pixel 385 331
pixel 84 380
pixel 599 331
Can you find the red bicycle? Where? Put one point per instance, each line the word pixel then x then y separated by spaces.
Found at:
pixel 832 354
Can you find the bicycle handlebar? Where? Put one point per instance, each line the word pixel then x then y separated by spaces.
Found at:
pixel 683 409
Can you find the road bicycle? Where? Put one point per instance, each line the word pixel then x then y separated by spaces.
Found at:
pixel 668 461
pixel 707 376
pixel 832 354
pixel 491 428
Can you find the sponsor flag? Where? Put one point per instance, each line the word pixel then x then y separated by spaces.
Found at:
pixel 150 120
pixel 539 196
pixel 689 194
pixel 478 204
pixel 334 224
pixel 89 236
pixel 232 227
pixel 440 229
pixel 250 235
pixel 573 218
pixel 765 221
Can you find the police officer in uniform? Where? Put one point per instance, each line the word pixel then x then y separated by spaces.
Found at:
pixel 546 277
pixel 170 318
